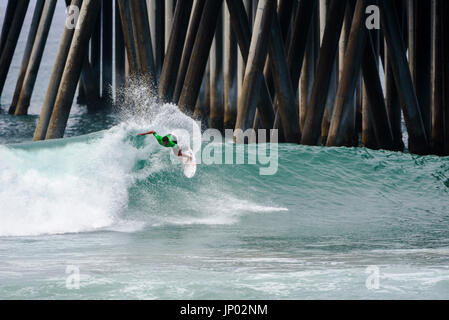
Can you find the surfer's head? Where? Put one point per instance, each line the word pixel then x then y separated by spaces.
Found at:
pixel 166 140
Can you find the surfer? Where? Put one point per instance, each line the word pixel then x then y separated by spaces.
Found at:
pixel 168 141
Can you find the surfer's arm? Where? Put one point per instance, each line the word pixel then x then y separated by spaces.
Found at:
pixel 158 137
pixel 149 132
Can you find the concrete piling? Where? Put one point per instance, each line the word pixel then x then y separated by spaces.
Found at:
pixel 35 58
pixel 27 53
pixel 87 18
pixel 194 23
pixel 216 115
pixel 10 43
pixel 200 52
pixel 55 79
pixel 229 74
pixel 344 105
pixel 7 22
pixel 120 76
pixel 323 73
pixel 253 79
pixel 174 53
pixel 107 49
pixel 418 141
pixel 142 41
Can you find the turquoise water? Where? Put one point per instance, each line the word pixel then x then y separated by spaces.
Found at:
pixel 117 209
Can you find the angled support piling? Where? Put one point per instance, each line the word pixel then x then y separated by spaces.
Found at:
pixel 420 44
pixel 307 71
pixel 169 11
pixel 87 17
pixel 393 104
pixel 241 28
pixel 253 80
pixel 192 30
pixel 95 59
pixel 326 61
pixel 241 63
pixel 352 137
pixel 376 107
pixel 142 41
pixel 120 77
pixel 216 71
pixel 203 102
pixel 200 52
pixel 229 74
pixel 344 104
pixel 107 52
pixel 437 137
pixel 418 140
pixel 285 13
pixel 174 51
pixel 55 79
pixel 27 53
pixel 7 22
pixel 156 19
pixel 283 84
pixel 368 138
pixel 301 32
pixel 325 122
pixel 445 34
pixel 11 41
pixel 128 36
pixel 35 59
pixel 90 84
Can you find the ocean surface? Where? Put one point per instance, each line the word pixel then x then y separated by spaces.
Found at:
pixel 103 214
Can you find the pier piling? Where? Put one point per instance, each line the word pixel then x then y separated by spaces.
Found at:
pixel 174 53
pixel 27 53
pixel 7 22
pixel 200 53
pixel 323 73
pixel 35 58
pixel 11 40
pixel 418 141
pixel 55 79
pixel 63 103
pixel 252 83
pixel 192 30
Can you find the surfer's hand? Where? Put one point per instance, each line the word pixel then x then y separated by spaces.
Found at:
pixel 180 154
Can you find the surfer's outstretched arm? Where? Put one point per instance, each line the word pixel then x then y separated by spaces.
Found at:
pixel 158 137
pixel 149 132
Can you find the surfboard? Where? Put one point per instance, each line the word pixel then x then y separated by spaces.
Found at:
pixel 188 166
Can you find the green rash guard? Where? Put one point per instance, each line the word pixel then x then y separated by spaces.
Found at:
pixel 159 138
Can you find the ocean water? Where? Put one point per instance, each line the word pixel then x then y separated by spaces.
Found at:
pixel 117 210
pixel 103 214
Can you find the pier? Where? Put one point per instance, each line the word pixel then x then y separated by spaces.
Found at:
pixel 324 72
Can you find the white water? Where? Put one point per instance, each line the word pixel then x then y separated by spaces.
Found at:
pixel 77 186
